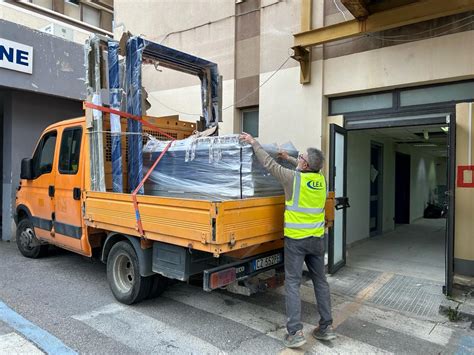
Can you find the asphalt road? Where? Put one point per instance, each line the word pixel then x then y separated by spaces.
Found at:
pixel 67 297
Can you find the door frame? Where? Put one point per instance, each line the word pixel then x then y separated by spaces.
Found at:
pixel 445 115
pixel 451 190
pixel 333 129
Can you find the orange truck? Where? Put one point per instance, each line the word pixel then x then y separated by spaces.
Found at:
pixel 226 242
pixel 144 240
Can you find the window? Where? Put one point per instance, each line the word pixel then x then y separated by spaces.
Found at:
pixel 250 121
pixel 75 2
pixel 44 154
pixel 90 15
pixel 435 94
pixel 361 103
pixel 48 4
pixel 70 150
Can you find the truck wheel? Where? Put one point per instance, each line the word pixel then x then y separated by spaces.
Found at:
pixel 27 242
pixel 159 285
pixel 123 274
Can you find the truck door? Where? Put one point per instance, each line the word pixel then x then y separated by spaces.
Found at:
pixel 68 223
pixel 41 188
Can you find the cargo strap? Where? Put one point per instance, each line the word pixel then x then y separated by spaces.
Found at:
pixel 145 123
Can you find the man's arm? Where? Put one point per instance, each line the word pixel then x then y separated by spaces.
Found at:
pixel 284 155
pixel 282 174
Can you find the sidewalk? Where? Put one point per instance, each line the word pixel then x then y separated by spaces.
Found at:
pixel 13 343
pixel 20 336
pixel 460 306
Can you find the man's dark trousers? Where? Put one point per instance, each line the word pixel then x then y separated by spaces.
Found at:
pixel 311 251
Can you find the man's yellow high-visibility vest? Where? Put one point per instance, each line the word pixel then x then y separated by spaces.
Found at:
pixel 304 213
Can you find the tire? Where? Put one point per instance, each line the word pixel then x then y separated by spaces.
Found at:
pixel 27 242
pixel 123 274
pixel 159 285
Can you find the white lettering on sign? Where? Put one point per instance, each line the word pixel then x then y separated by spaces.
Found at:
pixel 16 56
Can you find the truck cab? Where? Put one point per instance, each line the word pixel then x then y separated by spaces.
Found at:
pixel 48 200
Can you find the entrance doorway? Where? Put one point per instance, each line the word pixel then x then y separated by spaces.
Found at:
pixel 399 242
pixel 408 166
pixel 396 180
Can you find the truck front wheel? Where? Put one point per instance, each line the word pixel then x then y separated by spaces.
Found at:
pixel 123 274
pixel 27 242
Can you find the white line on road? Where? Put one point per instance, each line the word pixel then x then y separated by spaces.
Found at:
pixel 262 319
pixel 142 333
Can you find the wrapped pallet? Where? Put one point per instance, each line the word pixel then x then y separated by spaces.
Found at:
pixel 210 168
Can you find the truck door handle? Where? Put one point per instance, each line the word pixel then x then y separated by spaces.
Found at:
pixel 51 190
pixel 76 193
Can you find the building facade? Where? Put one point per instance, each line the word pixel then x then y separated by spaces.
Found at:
pixel 42 77
pixel 394 93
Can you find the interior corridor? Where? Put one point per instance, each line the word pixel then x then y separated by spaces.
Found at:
pixel 415 250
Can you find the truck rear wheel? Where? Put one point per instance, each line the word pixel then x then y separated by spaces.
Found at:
pixel 123 274
pixel 159 285
pixel 27 242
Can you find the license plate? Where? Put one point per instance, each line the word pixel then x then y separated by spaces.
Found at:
pixel 267 261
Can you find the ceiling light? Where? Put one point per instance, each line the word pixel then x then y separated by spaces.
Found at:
pixel 425 145
pixel 445 129
pixel 426 135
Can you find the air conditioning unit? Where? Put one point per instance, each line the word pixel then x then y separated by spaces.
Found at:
pixel 59 31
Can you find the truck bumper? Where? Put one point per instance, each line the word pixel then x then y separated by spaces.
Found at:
pixel 243 270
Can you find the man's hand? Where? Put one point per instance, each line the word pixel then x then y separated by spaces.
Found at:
pixel 245 137
pixel 283 154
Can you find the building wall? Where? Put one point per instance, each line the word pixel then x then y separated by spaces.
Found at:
pixel 415 63
pixel 33 20
pixel 58 65
pixel 464 223
pixel 22 127
pixel 185 27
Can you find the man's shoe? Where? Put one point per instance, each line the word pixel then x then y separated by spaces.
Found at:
pixel 326 333
pixel 294 341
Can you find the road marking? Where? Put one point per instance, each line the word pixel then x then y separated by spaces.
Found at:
pixel 388 319
pixel 262 319
pixel 14 344
pixel 44 340
pixel 420 329
pixel 142 333
pixel 363 295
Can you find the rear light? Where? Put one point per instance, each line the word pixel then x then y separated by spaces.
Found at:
pixel 222 278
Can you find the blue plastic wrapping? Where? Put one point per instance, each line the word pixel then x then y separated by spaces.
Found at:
pixel 210 168
pixel 115 127
pixel 135 47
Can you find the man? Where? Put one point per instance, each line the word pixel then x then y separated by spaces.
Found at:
pixel 305 198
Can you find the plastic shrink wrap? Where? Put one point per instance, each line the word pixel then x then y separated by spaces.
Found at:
pixel 211 168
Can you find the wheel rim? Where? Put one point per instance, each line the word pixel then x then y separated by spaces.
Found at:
pixel 27 239
pixel 123 273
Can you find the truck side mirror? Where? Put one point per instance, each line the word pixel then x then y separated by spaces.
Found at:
pixel 27 169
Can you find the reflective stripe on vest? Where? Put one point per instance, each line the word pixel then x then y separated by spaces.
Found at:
pixel 304 213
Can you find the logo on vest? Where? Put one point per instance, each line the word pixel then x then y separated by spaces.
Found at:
pixel 315 185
